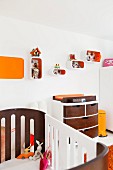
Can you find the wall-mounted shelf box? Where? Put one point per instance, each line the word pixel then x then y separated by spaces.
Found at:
pixel 75 64
pixel 57 71
pixel 36 68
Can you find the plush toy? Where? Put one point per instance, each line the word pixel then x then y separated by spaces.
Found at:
pixel 31 143
pixel 45 159
pixel 26 154
pixel 37 152
pixel 35 52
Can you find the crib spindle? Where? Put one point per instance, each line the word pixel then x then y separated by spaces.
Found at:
pixel 27 132
pixel 72 153
pixel 56 160
pixel 17 136
pixel 8 138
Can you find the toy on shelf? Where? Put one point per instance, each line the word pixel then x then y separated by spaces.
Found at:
pixel 56 70
pixel 73 63
pixel 93 56
pixel 45 160
pixel 36 64
pixel 108 62
pixel 35 52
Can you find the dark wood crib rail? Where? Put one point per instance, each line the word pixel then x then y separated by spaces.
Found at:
pixel 39 128
pixel 99 163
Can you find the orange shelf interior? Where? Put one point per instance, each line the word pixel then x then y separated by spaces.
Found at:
pixel 11 67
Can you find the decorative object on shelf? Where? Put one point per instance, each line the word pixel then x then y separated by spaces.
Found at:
pixel 36 64
pixel 73 63
pixel 11 67
pixel 35 52
pixel 108 62
pixel 72 56
pixel 56 70
pixel 93 56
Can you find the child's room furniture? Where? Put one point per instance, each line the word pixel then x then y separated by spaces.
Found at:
pixel 11 67
pixel 79 112
pixel 106 94
pixel 70 148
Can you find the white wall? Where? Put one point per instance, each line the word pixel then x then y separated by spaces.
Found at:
pixel 17 38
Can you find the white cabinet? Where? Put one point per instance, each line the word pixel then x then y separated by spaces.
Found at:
pixel 106 94
pixel 82 116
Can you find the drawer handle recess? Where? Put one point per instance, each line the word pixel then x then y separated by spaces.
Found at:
pixel 93 104
pixel 85 117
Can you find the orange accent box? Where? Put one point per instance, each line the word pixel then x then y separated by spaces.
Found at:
pixel 60 97
pixel 11 68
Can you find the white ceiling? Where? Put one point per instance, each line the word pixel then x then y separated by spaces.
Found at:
pixel 91 17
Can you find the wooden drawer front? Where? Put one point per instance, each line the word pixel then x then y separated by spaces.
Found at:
pixel 93 132
pixel 91 109
pixel 91 121
pixel 75 123
pixel 74 111
pixel 80 123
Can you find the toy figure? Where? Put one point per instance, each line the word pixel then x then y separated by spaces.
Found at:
pixel 35 52
pixel 90 56
pixel 35 71
pixel 45 159
pixel 72 56
pixel 37 152
pixel 26 154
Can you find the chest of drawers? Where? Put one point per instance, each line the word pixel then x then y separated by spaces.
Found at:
pixel 82 116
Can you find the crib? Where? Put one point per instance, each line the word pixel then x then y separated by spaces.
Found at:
pixel 70 148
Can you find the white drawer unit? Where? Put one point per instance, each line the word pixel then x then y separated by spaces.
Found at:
pixel 82 116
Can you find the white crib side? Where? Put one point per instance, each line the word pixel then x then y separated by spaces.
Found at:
pixel 70 148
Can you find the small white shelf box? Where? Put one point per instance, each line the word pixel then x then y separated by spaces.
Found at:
pixel 75 64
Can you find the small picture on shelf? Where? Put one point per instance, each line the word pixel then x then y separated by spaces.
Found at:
pixel 75 64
